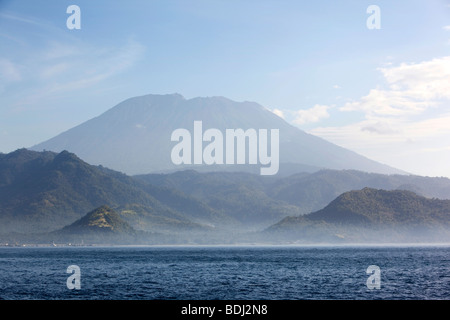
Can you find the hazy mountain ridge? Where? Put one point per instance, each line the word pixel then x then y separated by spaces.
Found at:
pixel 371 215
pixel 306 192
pixel 134 136
pixel 376 206
pixel 242 196
pixel 44 191
pixel 41 192
pixel 316 190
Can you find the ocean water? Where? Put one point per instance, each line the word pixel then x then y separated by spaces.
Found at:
pixel 226 273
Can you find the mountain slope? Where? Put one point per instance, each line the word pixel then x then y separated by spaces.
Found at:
pixel 102 225
pixel 241 196
pixel 373 214
pixel 134 137
pixel 43 191
pixel 314 191
pixel 261 199
pixel 100 220
pixel 380 207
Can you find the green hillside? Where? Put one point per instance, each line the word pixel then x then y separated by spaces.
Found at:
pixel 371 214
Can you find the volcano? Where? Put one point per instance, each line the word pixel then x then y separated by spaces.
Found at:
pixel 134 137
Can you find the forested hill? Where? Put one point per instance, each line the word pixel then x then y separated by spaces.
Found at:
pixel 372 213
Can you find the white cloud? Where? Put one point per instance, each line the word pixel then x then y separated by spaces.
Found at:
pixel 377 133
pixel 412 88
pixel 278 112
pixel 406 120
pixel 426 80
pixel 314 114
pixel 387 103
pixel 379 127
pixel 416 147
pixel 446 28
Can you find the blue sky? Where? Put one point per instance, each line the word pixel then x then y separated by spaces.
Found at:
pixel 384 93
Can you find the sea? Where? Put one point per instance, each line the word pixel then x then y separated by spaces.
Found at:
pixel 310 272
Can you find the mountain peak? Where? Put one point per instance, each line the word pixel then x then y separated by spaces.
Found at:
pixel 134 136
pixel 371 215
pixel 101 219
pixel 24 154
pixel 370 205
pixel 152 99
pixel 66 156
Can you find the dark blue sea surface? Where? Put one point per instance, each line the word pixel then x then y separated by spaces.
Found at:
pixel 226 273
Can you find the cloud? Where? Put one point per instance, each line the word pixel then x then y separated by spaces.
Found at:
pixel 314 114
pixel 411 89
pixel 64 50
pixel 19 18
pixel 51 72
pixel 278 112
pixel 59 62
pixel 387 103
pixel 379 127
pixel 381 136
pixel 440 149
pixel 426 80
pixel 9 72
pixel 54 70
pixel 417 147
pixel 102 65
pixel 15 40
pixel 405 120
pixel 446 28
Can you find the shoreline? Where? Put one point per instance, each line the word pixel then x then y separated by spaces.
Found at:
pixel 238 245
